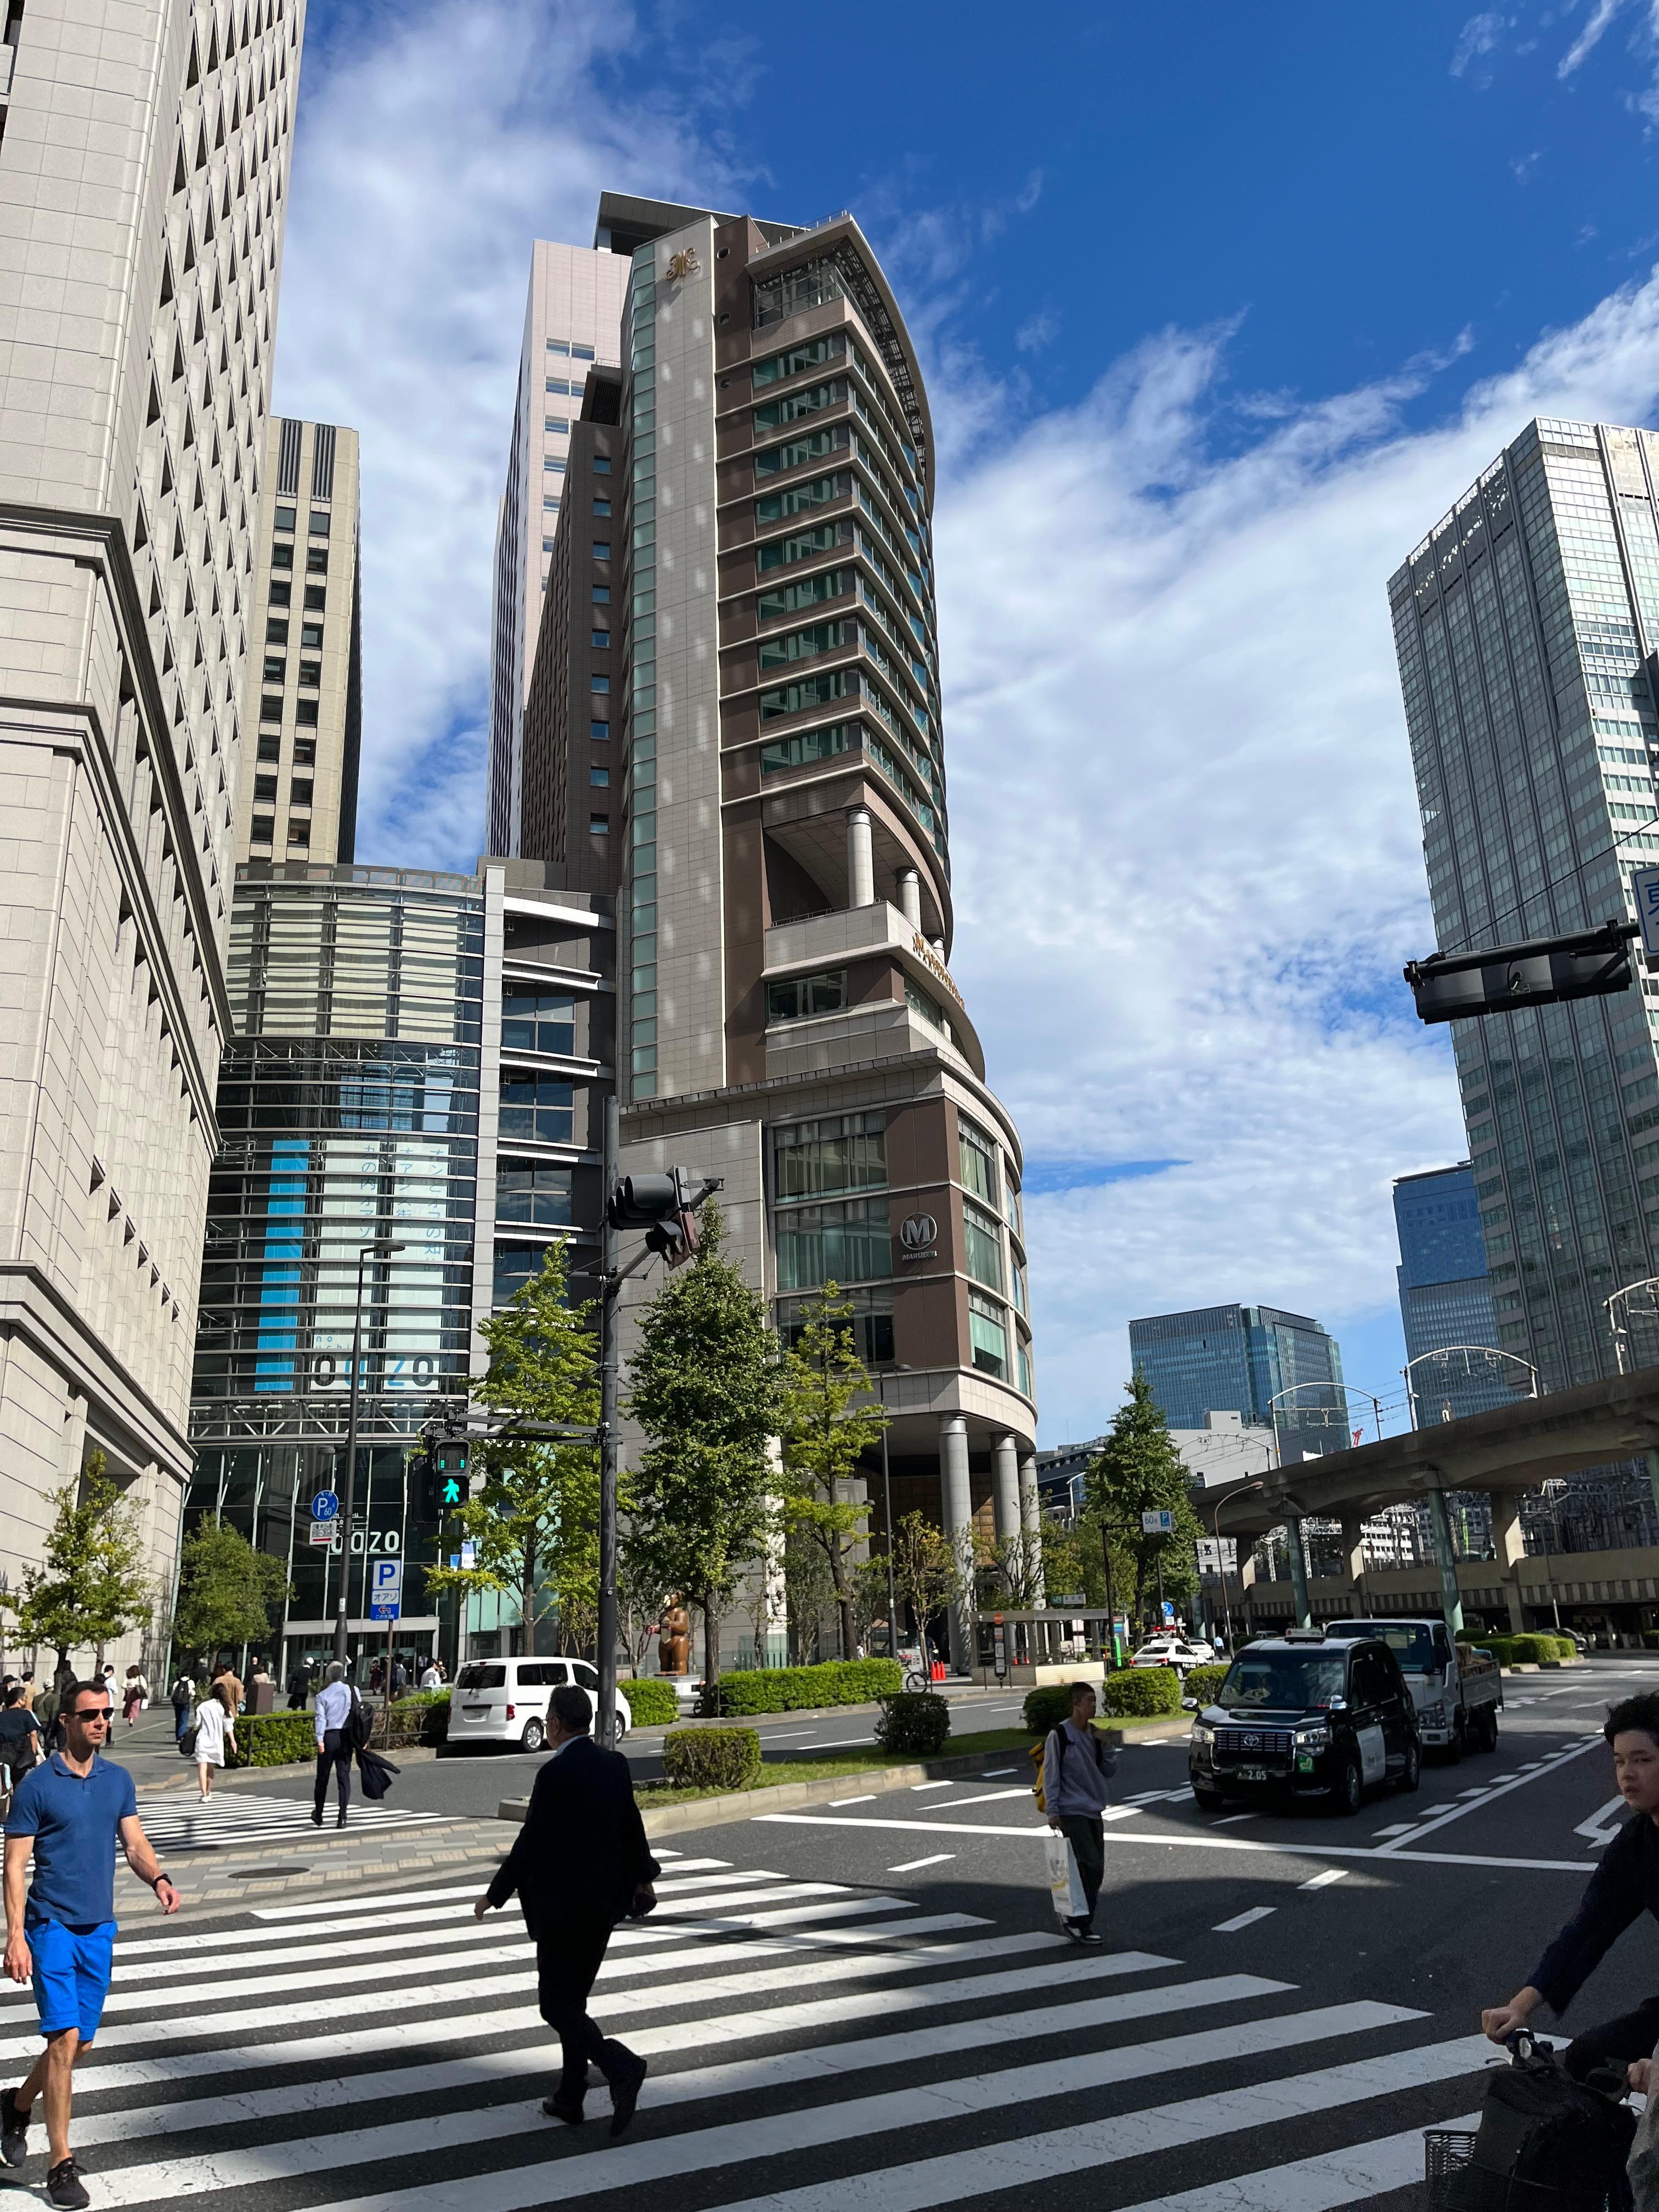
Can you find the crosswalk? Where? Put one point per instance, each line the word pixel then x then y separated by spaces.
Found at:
pixel 239 1817
pixel 813 2045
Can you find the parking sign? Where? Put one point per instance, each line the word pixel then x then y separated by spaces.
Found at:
pixel 386 1589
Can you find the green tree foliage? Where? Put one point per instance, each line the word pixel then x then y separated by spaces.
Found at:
pixel 925 1570
pixel 703 1384
pixel 1139 1471
pixel 91 1587
pixel 1013 1566
pixel 226 1590
pixel 828 1422
pixel 535 1520
pixel 1074 1559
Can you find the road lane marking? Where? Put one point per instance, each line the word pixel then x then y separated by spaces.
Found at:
pixel 990 1797
pixel 919 1786
pixel 1442 1820
pixel 933 1858
pixel 1324 1881
pixel 1600 1828
pixel 1244 1920
pixel 1320 2184
pixel 868 1798
pixel 1233 1819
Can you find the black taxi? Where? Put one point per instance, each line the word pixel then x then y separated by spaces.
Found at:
pixel 1304 1714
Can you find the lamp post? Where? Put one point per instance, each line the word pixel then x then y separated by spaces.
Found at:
pixel 381 1249
pixel 887 1514
pixel 1220 1563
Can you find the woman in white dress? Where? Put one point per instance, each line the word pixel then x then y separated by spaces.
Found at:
pixel 214 1729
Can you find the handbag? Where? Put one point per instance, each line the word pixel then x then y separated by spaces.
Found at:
pixel 1065 1882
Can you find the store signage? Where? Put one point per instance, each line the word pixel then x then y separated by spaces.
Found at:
pixel 918 1235
pixel 935 967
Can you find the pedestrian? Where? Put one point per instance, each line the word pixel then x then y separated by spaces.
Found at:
pixel 581 1864
pixel 336 1711
pixel 233 1691
pixel 69 1813
pixel 135 1696
pixel 432 1676
pixel 400 1677
pixel 215 1726
pixel 181 1696
pixel 20 1747
pixel 1624 1884
pixel 1076 1768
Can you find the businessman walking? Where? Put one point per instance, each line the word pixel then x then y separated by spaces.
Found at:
pixel 581 1864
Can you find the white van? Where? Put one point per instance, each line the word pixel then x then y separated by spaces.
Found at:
pixel 505 1700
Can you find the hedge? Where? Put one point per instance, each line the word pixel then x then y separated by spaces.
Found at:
pixel 1132 1693
pixel 423 1717
pixel 272 1739
pixel 800 1689
pixel 914 1721
pixel 1203 1684
pixel 651 1700
pixel 712 1758
pixel 1532 1650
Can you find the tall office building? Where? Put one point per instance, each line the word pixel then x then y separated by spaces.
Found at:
pixel 1242 1360
pixel 1445 1297
pixel 144 149
pixel 1525 625
pixel 572 319
pixel 787 1018
pixel 299 803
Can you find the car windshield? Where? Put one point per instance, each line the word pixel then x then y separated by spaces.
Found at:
pixel 1292 1680
pixel 478 1676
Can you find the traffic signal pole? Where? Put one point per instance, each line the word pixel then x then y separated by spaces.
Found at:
pixel 611 1282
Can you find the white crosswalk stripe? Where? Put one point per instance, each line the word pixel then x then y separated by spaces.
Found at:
pixel 850 2050
pixel 239 1817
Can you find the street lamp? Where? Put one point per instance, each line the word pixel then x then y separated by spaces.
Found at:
pixel 381 1249
pixel 1220 1561
pixel 899 1367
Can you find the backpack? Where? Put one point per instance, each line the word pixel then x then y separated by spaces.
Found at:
pixel 358 1726
pixel 1542 2129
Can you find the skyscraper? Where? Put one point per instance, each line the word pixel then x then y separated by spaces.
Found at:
pixel 300 801
pixel 143 173
pixel 573 319
pixel 1240 1359
pixel 787 1018
pixel 1445 1297
pixel 1524 625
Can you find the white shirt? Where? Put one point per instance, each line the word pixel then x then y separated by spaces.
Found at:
pixel 333 1706
pixel 432 1680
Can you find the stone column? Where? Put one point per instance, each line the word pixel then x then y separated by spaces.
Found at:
pixel 1510 1548
pixel 910 891
pixel 1353 1556
pixel 860 858
pixel 1031 1520
pixel 1298 1558
pixel 958 1498
pixel 1005 1476
pixel 1451 1602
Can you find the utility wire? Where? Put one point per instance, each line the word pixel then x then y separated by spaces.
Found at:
pixel 1651 823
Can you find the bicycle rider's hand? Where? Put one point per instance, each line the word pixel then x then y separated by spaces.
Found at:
pixel 1498 2022
pixel 1640 2075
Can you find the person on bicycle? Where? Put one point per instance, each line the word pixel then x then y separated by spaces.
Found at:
pixel 1622 1887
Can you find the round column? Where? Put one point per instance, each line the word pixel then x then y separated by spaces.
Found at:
pixel 1005 1485
pixel 958 1498
pixel 1031 1520
pixel 910 891
pixel 860 858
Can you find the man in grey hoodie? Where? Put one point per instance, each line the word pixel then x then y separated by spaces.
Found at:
pixel 1076 1768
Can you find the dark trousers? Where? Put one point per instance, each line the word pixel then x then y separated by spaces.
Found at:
pixel 568 1961
pixel 334 1756
pixel 1086 1834
pixel 1632 2035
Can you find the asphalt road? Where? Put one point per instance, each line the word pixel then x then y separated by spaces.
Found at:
pixel 868 2005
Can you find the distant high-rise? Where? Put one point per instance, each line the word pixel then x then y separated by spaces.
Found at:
pixel 1445 1296
pixel 299 803
pixel 1240 1359
pixel 144 149
pixel 1525 623
pixel 573 319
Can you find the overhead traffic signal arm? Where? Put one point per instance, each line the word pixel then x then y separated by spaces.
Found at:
pixel 1451 987
pixel 665 1207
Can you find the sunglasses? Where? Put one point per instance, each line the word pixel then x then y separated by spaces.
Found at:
pixel 98 1713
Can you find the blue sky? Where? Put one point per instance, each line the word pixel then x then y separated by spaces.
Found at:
pixel 1221 309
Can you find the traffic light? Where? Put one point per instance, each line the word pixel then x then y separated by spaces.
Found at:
pixel 449 1467
pixel 1592 964
pixel 663 1205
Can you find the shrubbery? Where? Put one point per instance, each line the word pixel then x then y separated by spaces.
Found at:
pixel 651 1700
pixel 1530 1649
pixel 800 1689
pixel 917 1722
pixel 1046 1706
pixel 1203 1684
pixel 712 1758
pixel 423 1717
pixel 1140 1692
pixel 272 1739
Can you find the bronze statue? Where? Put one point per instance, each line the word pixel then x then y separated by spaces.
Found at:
pixel 674 1640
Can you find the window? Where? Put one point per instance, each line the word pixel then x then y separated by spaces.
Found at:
pixel 582 353
pixel 1024 1359
pixel 547 547
pixel 262 826
pixel 782 551
pixel 870 1322
pixel 539 1196
pixel 538 1021
pixel 778 651
pixel 311 636
pixel 319 522
pixel 841 1151
pixel 552 467
pixel 846 1242
pixel 264 786
pixel 601 641
pixel 598 683
pixel 812 355
pixel 316 560
pixel 807 745
pixel 1011 1200
pixel 813 493
pixel 601 595
pixel 305 713
pixel 550 507
pixel 560 346
pixel 599 825
pixel 558 423
pixel 538 1108
pixel 299 834
pixel 277 632
pixel 600 777
pixel 929 1009
pixel 305 752
pixel 777 412
pixel 285 518
pixel 978 1156
pixel 281 593
pixel 601 549
pixel 271 748
pixel 601 507
pixel 806 994
pixel 281 556
pixel 601 465
pixel 270 707
pixel 808 692
pixel 599 731
pixel 810 591
pixel 515 1265
pixel 1022 1296
pixel 275 667
pixel 311 674
pixel 987 1335
pixel 559 384
pixel 316 598
pixel 982 1245
pixel 799 450
pixel 300 792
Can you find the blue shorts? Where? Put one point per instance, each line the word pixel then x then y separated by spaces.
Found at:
pixel 71 1974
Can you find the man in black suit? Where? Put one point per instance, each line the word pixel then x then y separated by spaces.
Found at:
pixel 581 1864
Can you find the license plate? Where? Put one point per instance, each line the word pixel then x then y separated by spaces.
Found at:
pixel 1251 1773
pixel 475 1712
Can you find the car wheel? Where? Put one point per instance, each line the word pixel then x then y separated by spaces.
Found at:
pixel 1411 1774
pixel 622 1731
pixel 1486 1737
pixel 1345 1798
pixel 534 1736
pixel 1208 1800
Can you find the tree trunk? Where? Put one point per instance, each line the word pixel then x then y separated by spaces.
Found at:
pixel 843 1594
pixel 527 1600
pixel 711 1641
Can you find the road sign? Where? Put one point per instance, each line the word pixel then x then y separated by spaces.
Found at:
pixel 1157 1524
pixel 469 1554
pixel 386 1589
pixel 1168 1613
pixel 1645 883
pixel 325 1505
pixel 324 1532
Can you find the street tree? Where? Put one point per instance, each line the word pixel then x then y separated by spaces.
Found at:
pixel 226 1590
pixel 926 1568
pixel 1139 1471
pixel 828 1420
pixel 534 1523
pixel 90 1587
pixel 1016 1569
pixel 703 1384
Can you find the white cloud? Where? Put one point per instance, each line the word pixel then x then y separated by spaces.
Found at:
pixel 1479 36
pixel 1590 38
pixel 1187 867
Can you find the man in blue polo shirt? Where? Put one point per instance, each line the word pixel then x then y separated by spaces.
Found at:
pixel 60 1927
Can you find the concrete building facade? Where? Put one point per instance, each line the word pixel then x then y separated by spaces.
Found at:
pixel 145 153
pixel 300 802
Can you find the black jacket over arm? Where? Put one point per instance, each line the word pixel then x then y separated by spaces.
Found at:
pixel 581 1852
pixel 1624 1886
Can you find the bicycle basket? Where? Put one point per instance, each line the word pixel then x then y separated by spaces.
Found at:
pixel 1455 2184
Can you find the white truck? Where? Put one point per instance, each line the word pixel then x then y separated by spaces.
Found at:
pixel 1457 1688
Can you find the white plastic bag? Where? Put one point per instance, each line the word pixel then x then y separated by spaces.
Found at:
pixel 1065 1882
pixel 1643 2166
